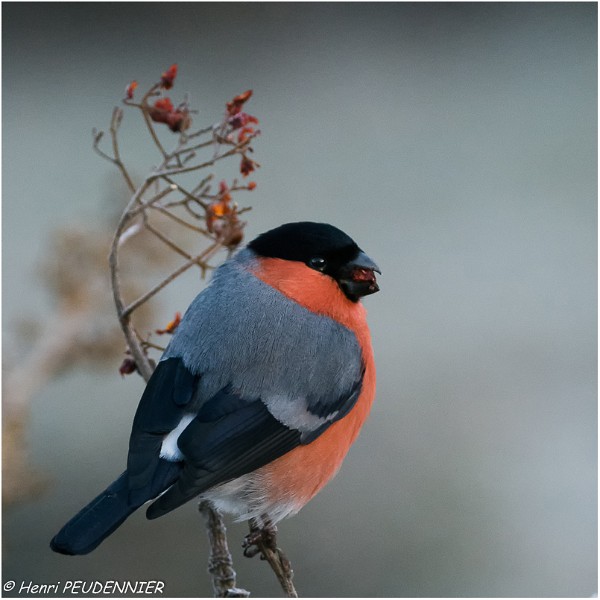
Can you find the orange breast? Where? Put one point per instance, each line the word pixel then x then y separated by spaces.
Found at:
pixel 298 475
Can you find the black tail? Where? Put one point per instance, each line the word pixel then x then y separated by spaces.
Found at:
pixel 96 521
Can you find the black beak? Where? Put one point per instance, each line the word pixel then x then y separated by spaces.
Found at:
pixel 357 277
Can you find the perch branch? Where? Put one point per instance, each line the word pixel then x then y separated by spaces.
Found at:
pixel 262 540
pixel 220 563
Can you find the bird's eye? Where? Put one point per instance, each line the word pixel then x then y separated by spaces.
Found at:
pixel 317 263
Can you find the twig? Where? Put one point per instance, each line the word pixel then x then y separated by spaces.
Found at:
pixel 196 260
pixel 194 147
pixel 116 159
pixel 154 136
pixel 182 222
pixel 163 238
pixel 98 135
pixel 186 205
pixel 115 123
pixel 188 158
pixel 220 563
pixel 143 106
pixel 141 359
pixel 203 131
pixel 282 568
pixel 150 203
pixel 190 195
pixel 203 184
pixel 150 344
pixel 263 539
pixel 208 163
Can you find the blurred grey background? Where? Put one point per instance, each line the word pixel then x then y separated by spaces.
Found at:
pixel 457 144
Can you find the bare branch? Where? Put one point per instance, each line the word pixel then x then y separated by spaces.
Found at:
pixel 177 219
pixel 200 132
pixel 188 158
pixel 156 198
pixel 163 238
pixel 186 205
pixel 196 260
pixel 115 123
pixel 198 189
pixel 98 135
pixel 154 136
pixel 282 568
pixel 190 195
pixel 262 540
pixel 149 344
pixel 195 147
pixel 235 150
pixel 220 564
pixel 208 163
pixel 143 106
pixel 133 342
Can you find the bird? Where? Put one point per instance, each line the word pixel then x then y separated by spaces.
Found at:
pixel 261 391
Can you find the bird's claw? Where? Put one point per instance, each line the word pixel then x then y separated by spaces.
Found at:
pixel 260 538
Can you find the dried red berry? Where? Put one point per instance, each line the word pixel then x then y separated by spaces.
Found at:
pixel 130 89
pixel 235 106
pixel 127 367
pixel 168 77
pixel 172 325
pixel 247 166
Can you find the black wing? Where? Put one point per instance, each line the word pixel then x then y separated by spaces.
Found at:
pixel 168 392
pixel 232 436
pixel 229 437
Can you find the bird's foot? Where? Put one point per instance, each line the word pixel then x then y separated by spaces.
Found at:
pixel 262 536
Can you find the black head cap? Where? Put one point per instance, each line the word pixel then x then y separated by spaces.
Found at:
pixel 305 240
pixel 323 248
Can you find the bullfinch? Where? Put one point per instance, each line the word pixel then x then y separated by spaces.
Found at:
pixel 260 393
